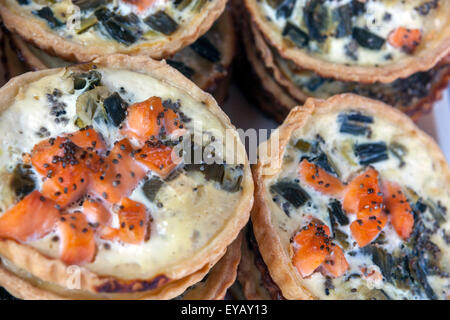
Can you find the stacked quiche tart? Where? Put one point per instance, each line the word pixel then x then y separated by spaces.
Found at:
pixel 194 36
pixel 393 51
pixel 121 179
pixel 351 202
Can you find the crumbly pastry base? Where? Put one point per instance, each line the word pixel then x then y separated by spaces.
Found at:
pixel 220 277
pixel 249 276
pixel 55 272
pixel 37 32
pixel 424 60
pixel 270 245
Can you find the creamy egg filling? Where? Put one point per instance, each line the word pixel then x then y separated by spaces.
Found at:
pixel 331 30
pixel 123 22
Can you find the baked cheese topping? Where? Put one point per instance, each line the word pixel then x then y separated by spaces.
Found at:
pixel 125 22
pixel 100 158
pixel 365 33
pixel 362 210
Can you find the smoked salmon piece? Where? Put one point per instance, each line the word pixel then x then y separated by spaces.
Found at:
pixel 89 139
pixel 398 209
pixel 366 229
pixel 407 39
pixel 158 158
pixel 312 245
pixel 44 153
pixel 30 219
pixel 362 195
pixel 66 185
pixel 149 120
pixel 320 180
pixel 141 4
pixel 119 174
pixel 335 263
pixel 133 221
pixel 96 212
pixel 77 241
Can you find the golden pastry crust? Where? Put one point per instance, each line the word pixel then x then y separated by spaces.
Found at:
pixel 422 60
pixel 249 276
pixel 220 277
pixel 55 271
pixel 270 245
pixel 37 32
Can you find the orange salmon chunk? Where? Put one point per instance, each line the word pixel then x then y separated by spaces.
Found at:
pixel 119 175
pixel 133 220
pixel 67 185
pixel 313 244
pixel 320 180
pixel 363 196
pixel 398 209
pixel 77 241
pixel 335 263
pixel 44 152
pixel 365 230
pixel 30 219
pixel 158 158
pixel 149 120
pixel 407 39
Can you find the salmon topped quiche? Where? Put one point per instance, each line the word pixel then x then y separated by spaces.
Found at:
pixel 352 202
pixel 82 30
pixel 357 40
pixel 117 181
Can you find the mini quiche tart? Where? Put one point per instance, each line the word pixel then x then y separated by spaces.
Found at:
pixel 81 30
pixel 355 40
pixel 121 179
pixel 351 202
pixel 207 62
pixel 413 95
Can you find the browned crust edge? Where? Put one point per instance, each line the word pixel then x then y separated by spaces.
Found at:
pixel 427 58
pixel 277 260
pixel 220 277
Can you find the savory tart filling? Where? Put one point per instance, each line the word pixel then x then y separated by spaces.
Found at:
pixel 353 32
pixel 97 172
pixel 83 30
pixel 363 209
pixel 126 21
